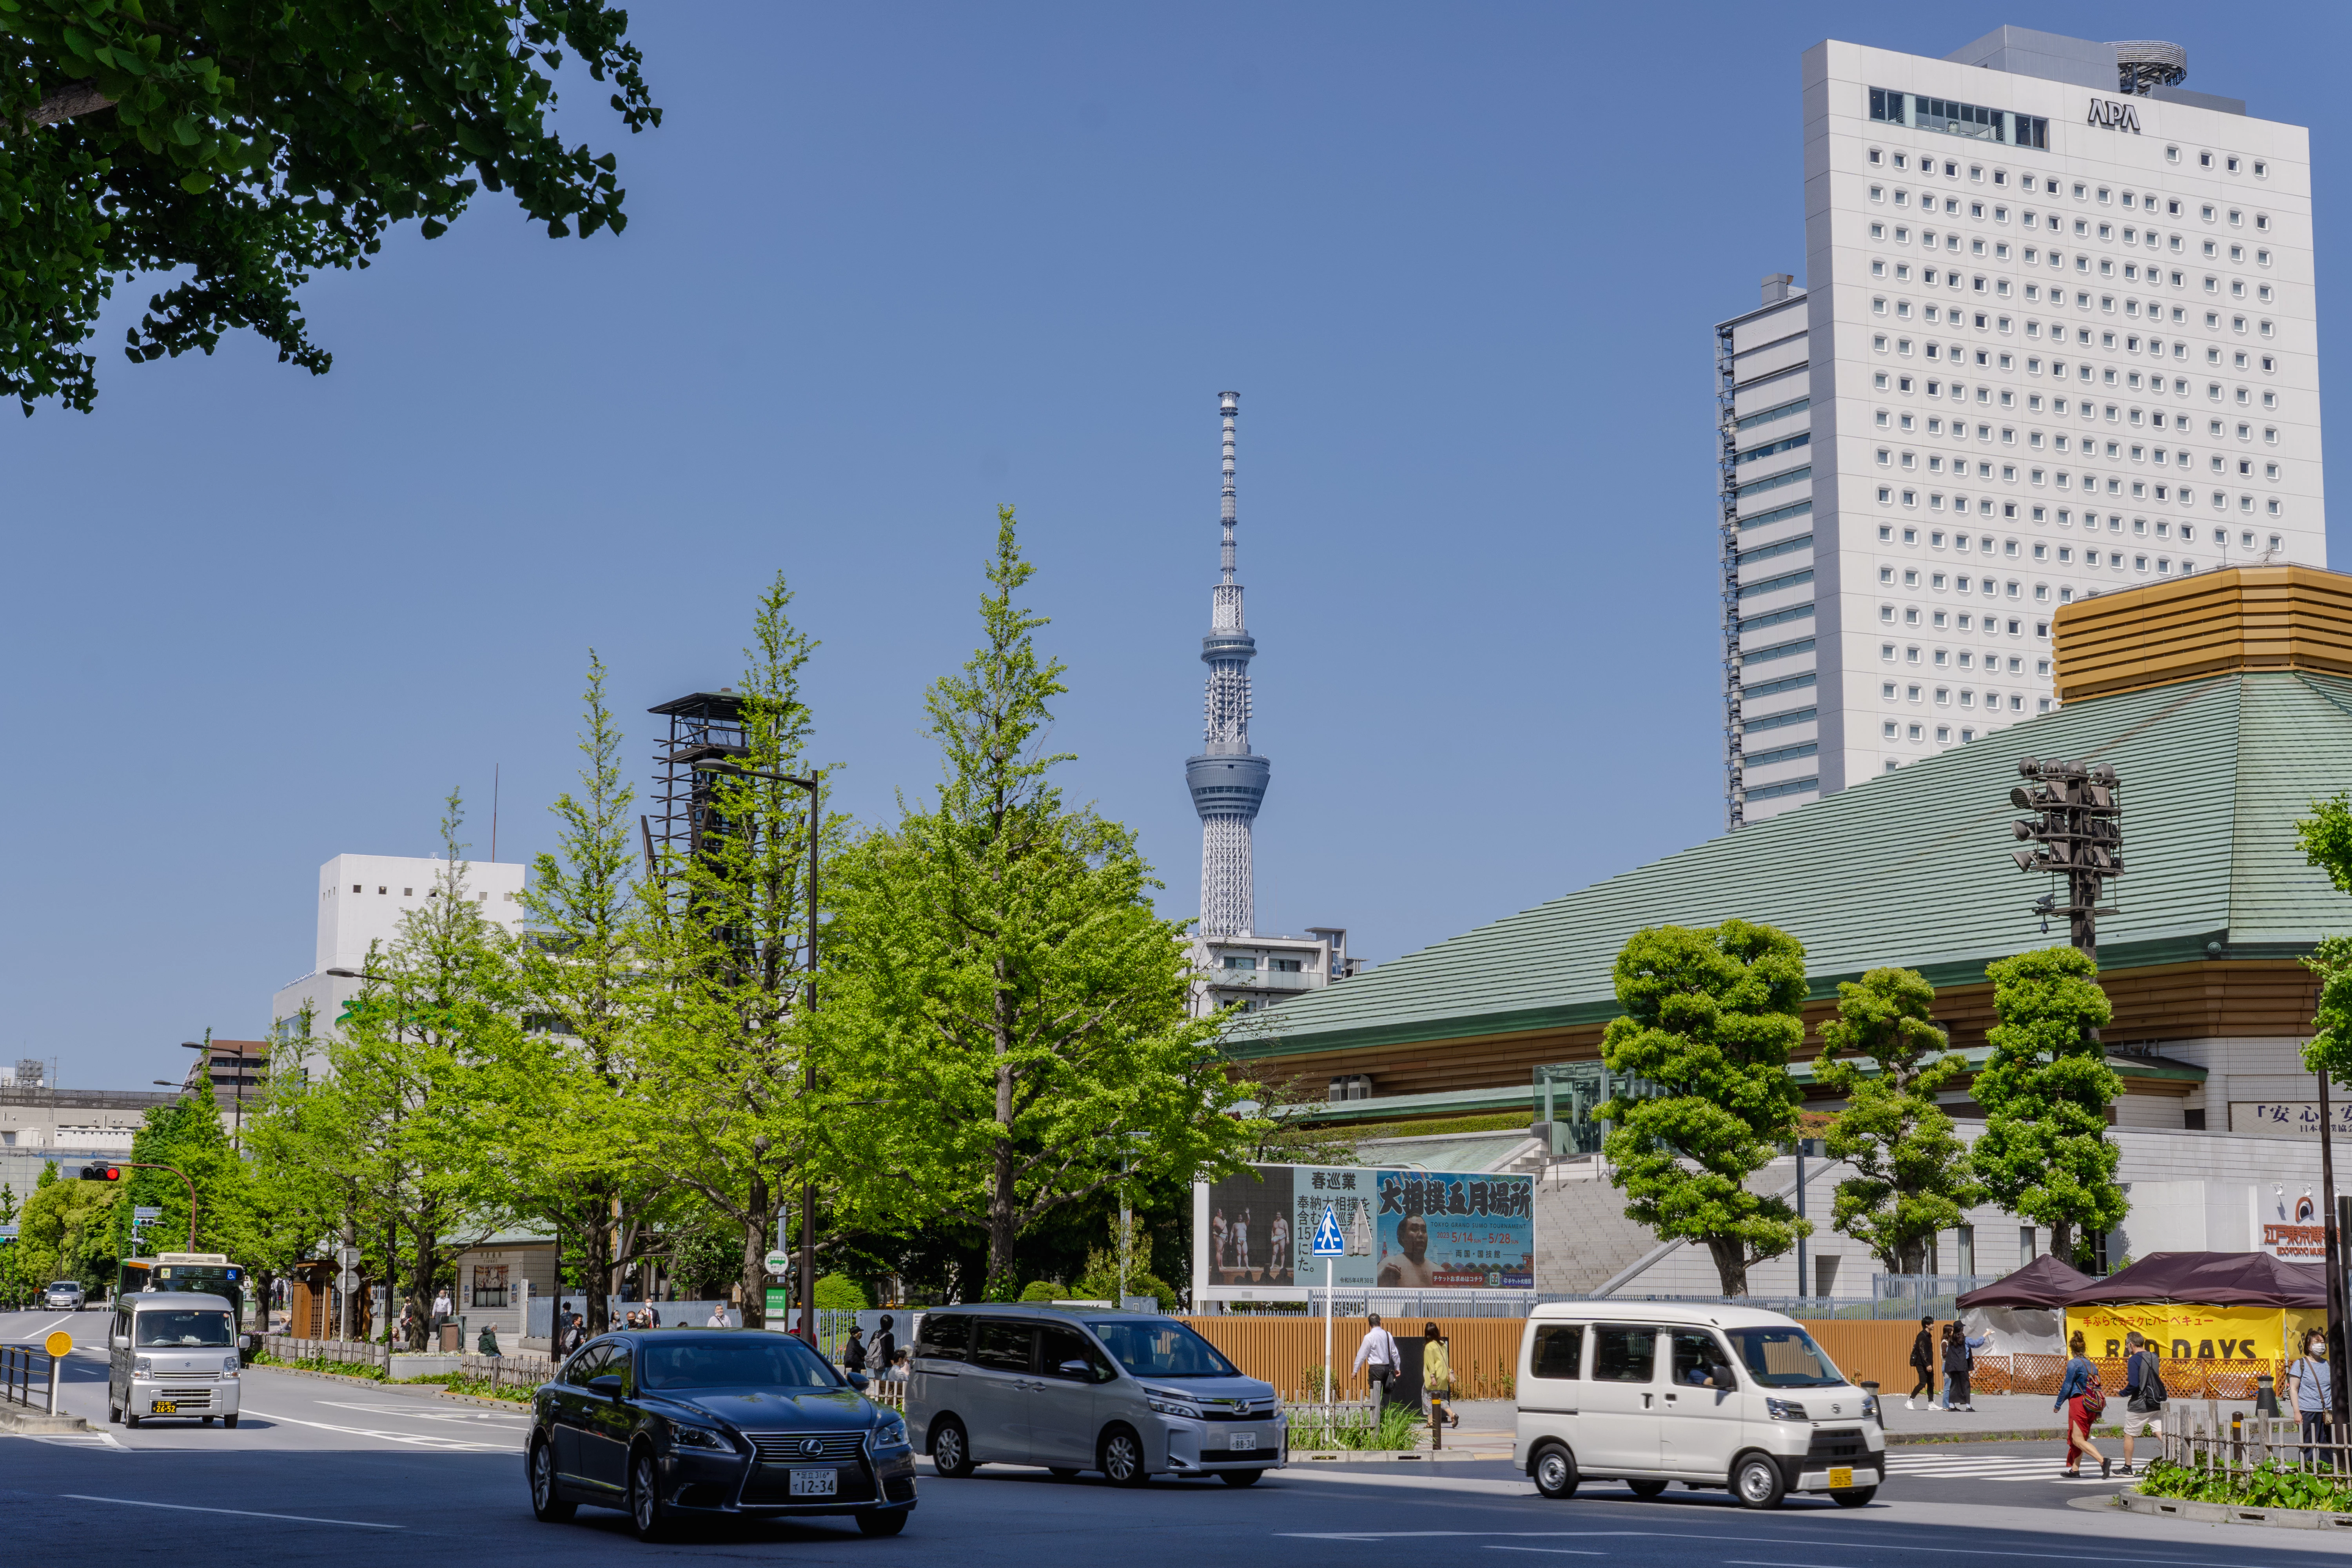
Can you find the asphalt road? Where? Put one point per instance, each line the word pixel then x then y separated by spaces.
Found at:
pixel 319 1470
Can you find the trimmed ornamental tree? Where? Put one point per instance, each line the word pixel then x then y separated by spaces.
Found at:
pixel 241 147
pixel 1884 1054
pixel 2325 840
pixel 1711 1017
pixel 2044 1155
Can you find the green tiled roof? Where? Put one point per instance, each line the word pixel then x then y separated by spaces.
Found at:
pixel 1912 867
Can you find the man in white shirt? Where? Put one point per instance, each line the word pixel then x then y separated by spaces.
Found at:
pixel 718 1316
pixel 1377 1358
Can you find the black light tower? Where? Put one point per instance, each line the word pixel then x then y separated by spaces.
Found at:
pixel 2078 834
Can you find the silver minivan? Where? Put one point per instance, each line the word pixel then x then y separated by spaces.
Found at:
pixel 172 1352
pixel 1129 1395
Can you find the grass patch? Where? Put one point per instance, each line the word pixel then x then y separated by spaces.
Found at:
pixel 1355 1426
pixel 370 1369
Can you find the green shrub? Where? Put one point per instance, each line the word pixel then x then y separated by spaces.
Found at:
pixel 840 1293
pixel 2272 1484
pixel 1046 1290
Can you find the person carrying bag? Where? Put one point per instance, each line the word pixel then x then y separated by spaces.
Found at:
pixel 1436 1379
pixel 2144 1394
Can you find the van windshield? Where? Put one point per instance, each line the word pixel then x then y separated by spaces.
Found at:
pixel 1783 1358
pixel 1162 1349
pixel 164 1330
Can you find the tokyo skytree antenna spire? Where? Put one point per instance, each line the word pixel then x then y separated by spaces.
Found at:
pixel 1227 780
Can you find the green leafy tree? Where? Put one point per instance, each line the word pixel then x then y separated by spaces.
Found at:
pixel 1004 1001
pixel 2325 840
pixel 188 1136
pixel 414 1073
pixel 720 1103
pixel 299 1162
pixel 245 146
pixel 1884 1054
pixel 2044 1153
pixel 1711 1017
pixel 68 1232
pixel 567 1097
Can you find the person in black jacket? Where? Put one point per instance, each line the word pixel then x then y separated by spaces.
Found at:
pixel 1923 1366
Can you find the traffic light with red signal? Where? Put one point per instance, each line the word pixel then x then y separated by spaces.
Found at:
pixel 100 1172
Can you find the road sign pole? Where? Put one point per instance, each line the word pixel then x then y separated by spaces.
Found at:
pixel 1330 1382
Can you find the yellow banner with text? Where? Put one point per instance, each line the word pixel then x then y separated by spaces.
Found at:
pixel 2195 1334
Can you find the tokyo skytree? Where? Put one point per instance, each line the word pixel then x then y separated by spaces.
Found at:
pixel 1227 780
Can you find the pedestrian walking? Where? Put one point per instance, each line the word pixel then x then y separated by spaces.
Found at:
pixel 441 1304
pixel 1436 1379
pixel 1959 1360
pixel 1377 1358
pixel 2314 1383
pixel 885 1349
pixel 2079 1396
pixel 2144 1394
pixel 579 1331
pixel 1923 1364
pixel 852 1353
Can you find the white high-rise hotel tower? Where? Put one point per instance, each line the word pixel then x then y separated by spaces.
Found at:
pixel 2059 339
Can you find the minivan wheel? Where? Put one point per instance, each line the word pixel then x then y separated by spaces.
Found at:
pixel 951 1449
pixel 114 1415
pixel 874 1522
pixel 1554 1472
pixel 1646 1489
pixel 1241 1478
pixel 1757 1483
pixel 545 1505
pixel 1121 1459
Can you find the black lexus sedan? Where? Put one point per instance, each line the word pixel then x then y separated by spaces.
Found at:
pixel 669 1425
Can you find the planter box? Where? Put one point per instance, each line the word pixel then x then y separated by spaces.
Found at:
pixel 2233 1513
pixel 404 1365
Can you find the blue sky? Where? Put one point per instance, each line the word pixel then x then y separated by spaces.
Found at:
pixel 888 267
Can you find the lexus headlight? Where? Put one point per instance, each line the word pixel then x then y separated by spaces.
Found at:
pixel 700 1437
pixel 1168 1404
pixel 1785 1410
pixel 143 1367
pixel 890 1432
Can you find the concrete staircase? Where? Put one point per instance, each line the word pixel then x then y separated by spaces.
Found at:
pixel 1582 1236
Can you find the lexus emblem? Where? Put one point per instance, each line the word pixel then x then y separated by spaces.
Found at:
pixel 812 1445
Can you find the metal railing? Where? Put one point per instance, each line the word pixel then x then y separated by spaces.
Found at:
pixel 18 1367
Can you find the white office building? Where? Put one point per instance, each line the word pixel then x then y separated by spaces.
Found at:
pixel 362 900
pixel 2058 337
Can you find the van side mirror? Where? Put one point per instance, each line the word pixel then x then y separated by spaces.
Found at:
pixel 1076 1368
pixel 122 1341
pixel 1723 1377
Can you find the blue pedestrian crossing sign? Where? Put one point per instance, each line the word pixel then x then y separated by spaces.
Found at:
pixel 1329 1242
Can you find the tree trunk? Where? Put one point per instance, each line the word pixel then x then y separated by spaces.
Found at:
pixel 759 1221
pixel 2062 1241
pixel 1002 1224
pixel 1730 1256
pixel 596 1268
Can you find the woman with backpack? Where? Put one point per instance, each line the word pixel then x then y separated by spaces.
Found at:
pixel 2079 1396
pixel 1959 1360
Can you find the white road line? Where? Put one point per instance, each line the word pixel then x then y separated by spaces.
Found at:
pixel 414 1439
pixel 1549 1551
pixel 1858 1543
pixel 240 1512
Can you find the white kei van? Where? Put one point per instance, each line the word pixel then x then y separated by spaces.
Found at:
pixel 1655 1392
pixel 172 1353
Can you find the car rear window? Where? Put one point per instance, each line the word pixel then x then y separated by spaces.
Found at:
pixel 1559 1350
pixel 945 1337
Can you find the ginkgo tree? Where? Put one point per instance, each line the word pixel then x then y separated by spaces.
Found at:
pixel 244 146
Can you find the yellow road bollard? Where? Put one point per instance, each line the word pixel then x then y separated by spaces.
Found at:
pixel 59 1344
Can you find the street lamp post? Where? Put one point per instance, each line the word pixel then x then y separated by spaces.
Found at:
pixel 814 783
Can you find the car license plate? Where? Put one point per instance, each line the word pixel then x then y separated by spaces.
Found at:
pixel 1841 1477
pixel 1240 1440
pixel 164 1408
pixel 815 1483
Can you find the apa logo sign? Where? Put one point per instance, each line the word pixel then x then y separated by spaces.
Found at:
pixel 2115 115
